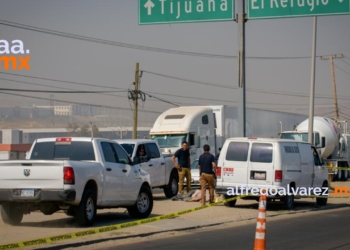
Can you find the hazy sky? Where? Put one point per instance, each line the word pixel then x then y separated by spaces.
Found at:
pixel 67 59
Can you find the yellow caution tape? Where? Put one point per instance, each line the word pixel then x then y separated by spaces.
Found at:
pixel 104 229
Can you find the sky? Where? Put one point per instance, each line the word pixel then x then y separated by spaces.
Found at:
pixel 269 82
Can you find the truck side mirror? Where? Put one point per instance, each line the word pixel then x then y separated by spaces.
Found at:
pixel 196 141
pixel 323 142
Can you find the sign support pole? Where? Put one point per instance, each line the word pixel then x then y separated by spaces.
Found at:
pixel 312 85
pixel 241 68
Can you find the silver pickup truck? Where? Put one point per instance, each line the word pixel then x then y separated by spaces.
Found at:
pixel 161 169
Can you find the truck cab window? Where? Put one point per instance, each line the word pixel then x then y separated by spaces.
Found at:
pixel 191 140
pixel 152 150
pixel 108 152
pixel 205 119
pixel 122 156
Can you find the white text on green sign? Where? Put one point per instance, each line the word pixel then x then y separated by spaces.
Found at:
pixel 172 11
pixel 293 8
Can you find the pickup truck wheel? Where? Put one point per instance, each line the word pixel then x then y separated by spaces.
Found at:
pixel 172 188
pixel 85 213
pixel 230 203
pixel 11 215
pixel 143 205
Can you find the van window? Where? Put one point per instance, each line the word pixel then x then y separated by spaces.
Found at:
pixel 261 152
pixel 237 151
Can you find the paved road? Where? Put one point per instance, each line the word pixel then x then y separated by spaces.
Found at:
pixel 328 230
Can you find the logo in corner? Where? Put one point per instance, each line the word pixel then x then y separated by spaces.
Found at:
pixel 26 172
pixel 13 55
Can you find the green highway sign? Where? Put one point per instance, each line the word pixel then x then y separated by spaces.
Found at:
pixel 258 9
pixel 185 11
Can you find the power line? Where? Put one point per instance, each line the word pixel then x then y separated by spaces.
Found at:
pixel 248 89
pixel 54 91
pixel 345 61
pixel 78 103
pixel 135 46
pixel 342 70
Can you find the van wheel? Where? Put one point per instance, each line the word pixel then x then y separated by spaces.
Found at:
pixel 143 205
pixel 11 215
pixel 85 213
pixel 230 203
pixel 288 202
pixel 172 188
pixel 322 201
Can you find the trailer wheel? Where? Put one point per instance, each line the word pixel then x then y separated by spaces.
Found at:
pixel 171 189
pixel 339 175
pixel 345 175
pixel 11 215
pixel 85 213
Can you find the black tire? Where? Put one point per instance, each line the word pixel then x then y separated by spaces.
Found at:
pixel 11 215
pixel 230 203
pixel 143 205
pixel 345 175
pixel 70 211
pixel 339 175
pixel 172 188
pixel 320 200
pixel 85 213
pixel 288 202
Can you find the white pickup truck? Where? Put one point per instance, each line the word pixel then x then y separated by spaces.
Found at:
pixel 77 175
pixel 161 169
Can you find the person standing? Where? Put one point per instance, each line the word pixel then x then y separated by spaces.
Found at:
pixel 183 166
pixel 207 170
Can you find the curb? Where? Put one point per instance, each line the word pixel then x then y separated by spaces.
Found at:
pixel 143 235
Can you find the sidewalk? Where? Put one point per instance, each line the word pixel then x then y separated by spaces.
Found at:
pixel 244 210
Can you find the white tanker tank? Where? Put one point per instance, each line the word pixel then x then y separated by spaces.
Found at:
pixel 323 128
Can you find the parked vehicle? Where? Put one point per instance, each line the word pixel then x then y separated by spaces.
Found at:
pixel 198 125
pixel 162 171
pixel 76 175
pixel 333 146
pixel 270 163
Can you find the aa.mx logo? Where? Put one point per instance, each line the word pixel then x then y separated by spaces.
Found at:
pixel 12 56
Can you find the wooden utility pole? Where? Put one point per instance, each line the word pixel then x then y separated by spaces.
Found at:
pixel 135 96
pixel 331 60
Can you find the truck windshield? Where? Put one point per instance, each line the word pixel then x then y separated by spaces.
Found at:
pixel 75 151
pixel 169 141
pixel 295 136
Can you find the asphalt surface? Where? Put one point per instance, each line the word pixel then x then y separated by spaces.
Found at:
pixel 324 230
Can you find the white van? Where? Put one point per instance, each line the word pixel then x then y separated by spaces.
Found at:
pixel 290 167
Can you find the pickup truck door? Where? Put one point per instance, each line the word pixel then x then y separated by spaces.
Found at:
pixel 114 175
pixel 132 180
pixel 155 166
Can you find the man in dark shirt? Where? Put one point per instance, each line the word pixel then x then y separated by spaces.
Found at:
pixel 183 166
pixel 207 170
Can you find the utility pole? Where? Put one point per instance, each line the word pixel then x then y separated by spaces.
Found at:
pixel 135 96
pixel 331 60
pixel 241 20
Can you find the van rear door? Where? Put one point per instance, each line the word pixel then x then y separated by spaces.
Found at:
pixel 260 167
pixel 233 163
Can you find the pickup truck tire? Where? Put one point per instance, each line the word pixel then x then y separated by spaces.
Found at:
pixel 11 215
pixel 85 213
pixel 143 205
pixel 172 188
pixel 229 203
